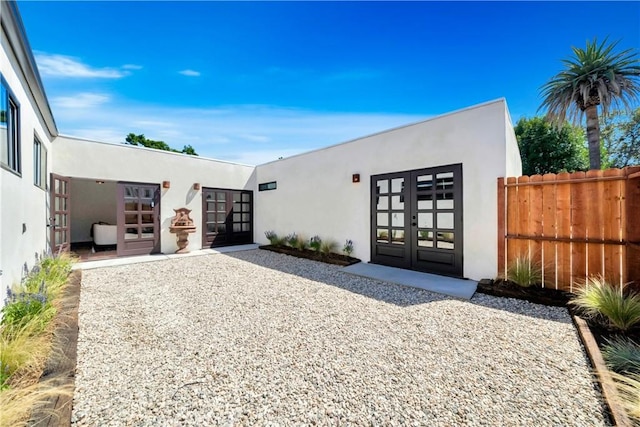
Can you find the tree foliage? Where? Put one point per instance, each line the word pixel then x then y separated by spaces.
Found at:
pixel 620 134
pixel 546 148
pixel 140 140
pixel 594 81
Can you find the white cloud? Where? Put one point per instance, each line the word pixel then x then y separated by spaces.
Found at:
pixel 250 134
pixel 190 73
pixel 131 67
pixel 80 101
pixel 53 65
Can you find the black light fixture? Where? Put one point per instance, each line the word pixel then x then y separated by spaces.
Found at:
pixel 99 181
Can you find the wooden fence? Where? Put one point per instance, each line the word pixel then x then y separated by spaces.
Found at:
pixel 572 225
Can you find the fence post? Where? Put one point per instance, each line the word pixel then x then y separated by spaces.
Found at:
pixel 632 217
pixel 501 228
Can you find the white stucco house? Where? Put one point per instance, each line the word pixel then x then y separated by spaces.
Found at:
pixel 421 196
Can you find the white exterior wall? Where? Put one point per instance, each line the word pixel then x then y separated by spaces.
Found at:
pixel 315 194
pixel 79 158
pixel 22 204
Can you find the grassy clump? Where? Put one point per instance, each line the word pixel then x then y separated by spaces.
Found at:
pixel 622 355
pixel 328 246
pixel 615 306
pixel 628 397
pixel 524 272
pixel 26 337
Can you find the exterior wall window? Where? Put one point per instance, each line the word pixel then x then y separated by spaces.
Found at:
pixel 39 164
pixel 9 135
pixel 267 186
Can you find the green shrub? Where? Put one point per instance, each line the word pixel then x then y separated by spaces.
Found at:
pixel 272 237
pixel 328 246
pixel 622 355
pixel 315 243
pixel 348 247
pixel 596 298
pixel 30 308
pixel 524 272
pixel 291 240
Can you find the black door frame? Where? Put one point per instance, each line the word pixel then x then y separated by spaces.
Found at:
pixel 230 237
pixel 415 254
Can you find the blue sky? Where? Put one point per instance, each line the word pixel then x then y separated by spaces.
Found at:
pixel 254 81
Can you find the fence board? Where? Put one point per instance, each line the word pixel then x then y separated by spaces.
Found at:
pixel 563 231
pixel 576 225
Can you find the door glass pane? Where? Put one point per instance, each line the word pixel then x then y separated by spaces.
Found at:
pixel 246 217
pixel 58 220
pixel 246 197
pixel 424 182
pixel 383 219
pixel 237 197
pixel 445 240
pixel 58 239
pixel 397 219
pixel 131 219
pixel 211 206
pixel 146 205
pixel 64 187
pixel 397 202
pixel 382 186
pixel 245 207
pixel 147 219
pixel 130 206
pixel 222 228
pixel 425 220
pixel 211 217
pixel 147 193
pixel 64 220
pixel 209 196
pixel 211 228
pixel 57 203
pixel 383 203
pixel 445 200
pixel 236 227
pixel 382 235
pixel 246 226
pixel 237 217
pixel 397 185
pixel 237 207
pixel 130 233
pixel 131 191
pixel 445 220
pixel 221 196
pixel 63 204
pixel 147 232
pixel 397 237
pixel 222 207
pixel 56 186
pixel 221 217
pixel 444 181
pixel 425 201
pixel 425 239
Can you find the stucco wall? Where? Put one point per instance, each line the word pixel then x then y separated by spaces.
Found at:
pixel 315 194
pixel 23 206
pixel 79 158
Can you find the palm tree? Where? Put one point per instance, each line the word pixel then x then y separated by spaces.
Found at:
pixel 595 76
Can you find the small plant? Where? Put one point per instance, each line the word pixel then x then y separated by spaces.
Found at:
pixel 598 299
pixel 524 272
pixel 300 243
pixel 348 247
pixel 328 246
pixel 291 240
pixel 271 236
pixel 315 243
pixel 622 355
pixel 628 397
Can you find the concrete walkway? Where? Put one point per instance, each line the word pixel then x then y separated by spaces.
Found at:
pixel 458 288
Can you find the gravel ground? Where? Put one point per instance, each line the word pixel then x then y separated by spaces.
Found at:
pixel 258 338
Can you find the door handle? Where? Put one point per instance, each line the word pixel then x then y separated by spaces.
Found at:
pixel 414 224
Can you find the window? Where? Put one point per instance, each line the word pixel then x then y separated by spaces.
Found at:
pixel 9 135
pixel 267 186
pixel 39 164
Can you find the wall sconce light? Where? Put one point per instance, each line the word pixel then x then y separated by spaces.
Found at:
pixel 355 177
pixel 99 182
pixel 196 186
pixel 166 184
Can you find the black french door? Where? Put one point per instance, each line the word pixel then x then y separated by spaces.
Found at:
pixel 417 220
pixel 227 217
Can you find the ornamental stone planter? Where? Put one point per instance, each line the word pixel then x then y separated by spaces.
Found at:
pixel 182 225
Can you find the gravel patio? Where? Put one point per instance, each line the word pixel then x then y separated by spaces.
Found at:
pixel 258 338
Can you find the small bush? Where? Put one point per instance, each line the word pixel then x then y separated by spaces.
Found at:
pixel 29 308
pixel 622 355
pixel 272 237
pixel 315 243
pixel 348 247
pixel 328 246
pixel 524 272
pixel 291 240
pixel 598 299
